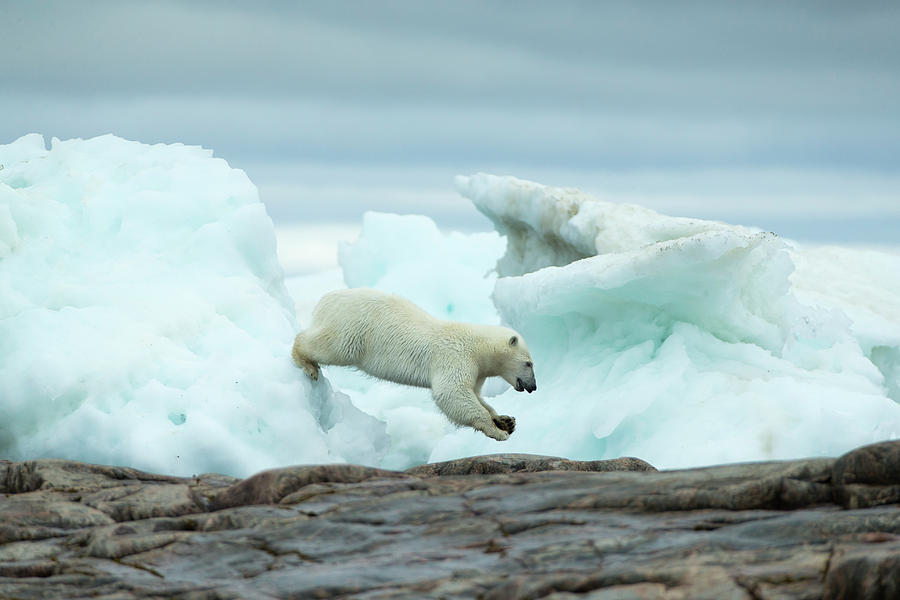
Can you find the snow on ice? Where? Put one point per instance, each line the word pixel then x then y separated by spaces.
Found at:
pixel 144 320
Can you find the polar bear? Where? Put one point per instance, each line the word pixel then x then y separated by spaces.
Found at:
pixel 391 338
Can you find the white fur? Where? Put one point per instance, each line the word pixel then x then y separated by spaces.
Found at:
pixel 391 338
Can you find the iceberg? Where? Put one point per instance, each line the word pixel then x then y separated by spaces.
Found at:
pixel 144 318
pixel 680 341
pixel 547 226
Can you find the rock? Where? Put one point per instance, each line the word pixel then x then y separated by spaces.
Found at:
pixel 877 464
pixel 34 475
pixel 501 526
pixel 868 476
pixel 865 571
pixel 528 463
pixel 270 487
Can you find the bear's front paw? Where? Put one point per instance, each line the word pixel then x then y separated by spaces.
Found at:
pixel 497 434
pixel 506 423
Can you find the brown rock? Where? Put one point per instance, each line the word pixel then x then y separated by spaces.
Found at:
pixel 69 475
pixel 503 526
pixel 864 572
pixel 527 463
pixel 868 476
pixel 269 487
pixel 877 464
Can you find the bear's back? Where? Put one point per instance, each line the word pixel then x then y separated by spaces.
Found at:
pixel 373 306
pixel 385 335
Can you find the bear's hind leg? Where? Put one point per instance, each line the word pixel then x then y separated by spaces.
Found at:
pixel 302 359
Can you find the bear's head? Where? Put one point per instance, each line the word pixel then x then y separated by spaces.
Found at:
pixel 517 368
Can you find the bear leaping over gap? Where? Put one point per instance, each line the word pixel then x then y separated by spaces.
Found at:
pixel 391 338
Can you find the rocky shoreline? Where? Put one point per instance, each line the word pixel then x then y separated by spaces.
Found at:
pixel 493 527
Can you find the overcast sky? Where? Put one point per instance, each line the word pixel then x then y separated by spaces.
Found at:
pixel 786 114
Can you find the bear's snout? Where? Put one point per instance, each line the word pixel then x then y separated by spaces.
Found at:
pixel 521 386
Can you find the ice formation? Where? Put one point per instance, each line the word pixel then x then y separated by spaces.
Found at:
pixel 144 318
pixel 682 341
pixel 547 226
pixel 679 341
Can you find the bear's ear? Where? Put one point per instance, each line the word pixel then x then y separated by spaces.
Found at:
pixel 513 341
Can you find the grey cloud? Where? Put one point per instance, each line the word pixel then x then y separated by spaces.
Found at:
pixel 729 58
pixel 279 130
pixel 523 87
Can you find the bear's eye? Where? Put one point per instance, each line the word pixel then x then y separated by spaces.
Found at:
pixel 528 364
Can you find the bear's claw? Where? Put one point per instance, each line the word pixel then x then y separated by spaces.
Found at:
pixel 505 423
